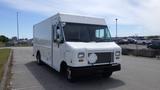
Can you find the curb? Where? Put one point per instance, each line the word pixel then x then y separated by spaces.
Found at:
pixel 5 77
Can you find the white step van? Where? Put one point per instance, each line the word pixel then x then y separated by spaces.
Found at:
pixel 76 45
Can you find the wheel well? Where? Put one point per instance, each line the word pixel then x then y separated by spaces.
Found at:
pixel 63 67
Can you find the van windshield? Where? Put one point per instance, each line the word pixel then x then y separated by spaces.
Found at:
pixel 86 33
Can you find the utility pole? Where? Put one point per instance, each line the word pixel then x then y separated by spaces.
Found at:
pixel 116 27
pixel 17 27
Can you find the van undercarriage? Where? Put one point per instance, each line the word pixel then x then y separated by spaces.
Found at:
pixel 78 71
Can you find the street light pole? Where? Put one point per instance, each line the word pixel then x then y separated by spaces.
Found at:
pixel 116 27
pixel 17 27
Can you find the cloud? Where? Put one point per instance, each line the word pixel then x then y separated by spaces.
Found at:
pixel 148 16
pixel 101 8
pixel 141 13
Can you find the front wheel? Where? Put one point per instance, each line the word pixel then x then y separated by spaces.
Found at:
pixel 106 74
pixel 69 75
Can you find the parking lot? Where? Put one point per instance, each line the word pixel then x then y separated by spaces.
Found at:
pixel 137 73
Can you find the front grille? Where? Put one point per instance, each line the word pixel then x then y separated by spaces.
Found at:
pixel 105 57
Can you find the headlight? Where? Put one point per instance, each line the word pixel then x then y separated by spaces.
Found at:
pixel 117 53
pixel 81 55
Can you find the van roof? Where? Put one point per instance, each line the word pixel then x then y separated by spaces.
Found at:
pixel 75 19
pixel 81 19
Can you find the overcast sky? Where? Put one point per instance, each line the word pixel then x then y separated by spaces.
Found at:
pixel 141 17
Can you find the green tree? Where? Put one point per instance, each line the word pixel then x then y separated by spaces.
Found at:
pixel 4 38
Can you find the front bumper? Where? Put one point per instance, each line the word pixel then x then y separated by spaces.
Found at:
pixel 96 69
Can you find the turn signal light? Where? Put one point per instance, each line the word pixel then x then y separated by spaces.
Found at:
pixel 81 60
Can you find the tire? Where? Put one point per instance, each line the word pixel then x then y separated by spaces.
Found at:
pixel 106 74
pixel 69 75
pixel 39 61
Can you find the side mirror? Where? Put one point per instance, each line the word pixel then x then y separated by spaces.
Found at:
pixel 58 33
pixel 59 37
pixel 59 40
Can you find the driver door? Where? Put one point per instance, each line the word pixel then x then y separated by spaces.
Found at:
pixel 57 46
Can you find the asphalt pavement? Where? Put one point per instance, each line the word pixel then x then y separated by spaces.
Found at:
pixel 137 73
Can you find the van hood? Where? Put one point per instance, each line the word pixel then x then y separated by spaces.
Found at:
pixel 94 45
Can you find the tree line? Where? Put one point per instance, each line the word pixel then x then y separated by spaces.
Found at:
pixel 4 39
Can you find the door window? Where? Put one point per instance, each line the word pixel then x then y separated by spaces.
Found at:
pixel 100 33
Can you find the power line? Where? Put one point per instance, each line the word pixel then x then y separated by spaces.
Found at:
pixel 116 26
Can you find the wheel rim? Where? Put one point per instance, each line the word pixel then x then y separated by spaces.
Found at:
pixel 69 73
pixel 38 58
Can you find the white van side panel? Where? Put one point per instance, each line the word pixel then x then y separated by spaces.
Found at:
pixel 42 40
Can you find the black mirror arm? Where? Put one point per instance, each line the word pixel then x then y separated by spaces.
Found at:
pixel 55 40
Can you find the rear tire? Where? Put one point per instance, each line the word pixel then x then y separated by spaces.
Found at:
pixel 39 61
pixel 106 74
